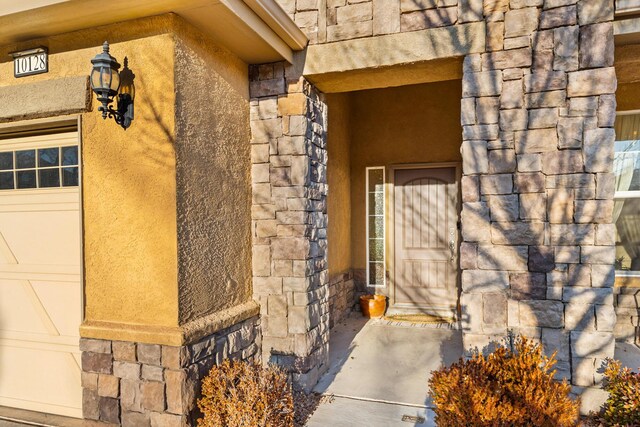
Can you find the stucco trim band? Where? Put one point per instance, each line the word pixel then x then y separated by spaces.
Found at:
pixel 167 335
pixel 401 75
pixel 57 97
pixel 627 7
pixel 626 31
pixel 209 325
pixel 395 49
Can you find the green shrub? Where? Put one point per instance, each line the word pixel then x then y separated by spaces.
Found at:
pixel 503 389
pixel 622 407
pixel 241 394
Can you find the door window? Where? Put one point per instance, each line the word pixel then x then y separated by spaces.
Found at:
pixel 626 210
pixel 375 226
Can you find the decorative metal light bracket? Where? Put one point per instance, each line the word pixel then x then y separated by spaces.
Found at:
pixel 123 115
pixel 108 83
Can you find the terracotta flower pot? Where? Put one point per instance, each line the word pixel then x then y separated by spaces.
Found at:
pixel 373 305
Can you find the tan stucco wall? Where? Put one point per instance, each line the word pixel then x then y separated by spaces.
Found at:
pixel 410 124
pixel 70 53
pixel 338 179
pixel 628 96
pixel 627 65
pixel 129 198
pixel 213 177
pixel 166 203
pixel 128 182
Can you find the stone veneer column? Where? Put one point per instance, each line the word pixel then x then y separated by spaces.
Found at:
pixel 289 224
pixel 538 111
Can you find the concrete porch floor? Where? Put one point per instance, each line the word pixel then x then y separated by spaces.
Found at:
pixel 379 371
pixel 629 354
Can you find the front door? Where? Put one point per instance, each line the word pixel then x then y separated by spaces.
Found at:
pixel 425 247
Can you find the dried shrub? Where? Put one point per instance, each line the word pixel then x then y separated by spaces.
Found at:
pixel 245 394
pixel 622 407
pixel 506 388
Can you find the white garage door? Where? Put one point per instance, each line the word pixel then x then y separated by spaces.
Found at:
pixel 40 291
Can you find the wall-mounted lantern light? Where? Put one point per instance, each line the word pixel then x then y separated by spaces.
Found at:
pixel 107 82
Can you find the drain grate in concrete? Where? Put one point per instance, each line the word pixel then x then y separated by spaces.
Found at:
pixel 419 318
pixel 412 419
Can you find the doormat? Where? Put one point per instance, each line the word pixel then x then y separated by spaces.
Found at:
pixel 419 318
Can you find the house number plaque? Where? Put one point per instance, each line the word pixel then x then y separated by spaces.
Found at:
pixel 29 62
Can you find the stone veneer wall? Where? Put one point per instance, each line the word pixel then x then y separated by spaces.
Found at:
pixel 326 21
pixel 538 112
pixel 138 385
pixel 289 223
pixel 342 297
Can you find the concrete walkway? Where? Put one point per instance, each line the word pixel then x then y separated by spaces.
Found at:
pixel 628 354
pixel 379 373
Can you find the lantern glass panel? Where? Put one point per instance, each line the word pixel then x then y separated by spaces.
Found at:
pixel 105 78
pixel 95 79
pixel 115 81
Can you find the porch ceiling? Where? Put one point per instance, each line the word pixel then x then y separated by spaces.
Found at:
pixel 627 7
pixel 257 31
pixel 626 31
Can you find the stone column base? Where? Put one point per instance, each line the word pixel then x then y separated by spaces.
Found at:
pixel 341 297
pixel 144 385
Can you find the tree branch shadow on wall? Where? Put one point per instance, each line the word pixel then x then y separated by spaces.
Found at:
pixel 552 276
pixel 529 233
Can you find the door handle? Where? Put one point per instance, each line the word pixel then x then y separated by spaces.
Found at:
pixel 452 244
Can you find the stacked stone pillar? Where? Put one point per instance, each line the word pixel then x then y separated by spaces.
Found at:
pixel 142 385
pixel 289 223
pixel 538 112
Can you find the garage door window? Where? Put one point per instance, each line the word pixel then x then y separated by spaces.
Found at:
pixel 39 168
